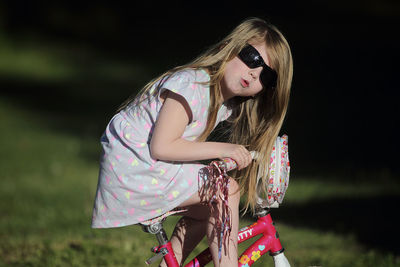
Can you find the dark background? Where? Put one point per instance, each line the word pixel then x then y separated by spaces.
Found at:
pixel 342 114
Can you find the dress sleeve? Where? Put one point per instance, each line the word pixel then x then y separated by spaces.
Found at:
pixel 185 84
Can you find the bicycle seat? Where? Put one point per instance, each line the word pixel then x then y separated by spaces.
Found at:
pixel 163 217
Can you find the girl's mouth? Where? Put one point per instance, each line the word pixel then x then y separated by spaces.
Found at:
pixel 244 83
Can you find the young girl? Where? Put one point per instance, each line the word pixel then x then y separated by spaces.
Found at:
pixel 153 145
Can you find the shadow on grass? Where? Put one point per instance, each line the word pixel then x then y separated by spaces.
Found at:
pixel 373 220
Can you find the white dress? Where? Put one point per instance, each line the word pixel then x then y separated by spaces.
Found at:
pixel 134 187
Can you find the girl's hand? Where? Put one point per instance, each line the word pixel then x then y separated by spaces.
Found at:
pixel 238 153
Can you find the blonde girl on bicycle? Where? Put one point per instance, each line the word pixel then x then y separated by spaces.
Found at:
pixel 153 145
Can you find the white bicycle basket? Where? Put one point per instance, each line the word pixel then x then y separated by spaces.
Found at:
pixel 279 171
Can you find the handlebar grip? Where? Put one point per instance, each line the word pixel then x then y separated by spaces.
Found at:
pixel 229 164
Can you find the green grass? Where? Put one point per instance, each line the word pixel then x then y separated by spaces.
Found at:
pixel 49 176
pixel 47 194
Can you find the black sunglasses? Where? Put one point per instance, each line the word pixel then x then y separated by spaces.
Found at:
pixel 250 56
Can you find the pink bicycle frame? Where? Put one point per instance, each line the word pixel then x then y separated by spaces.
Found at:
pixel 268 242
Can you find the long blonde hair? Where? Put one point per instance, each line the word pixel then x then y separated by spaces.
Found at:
pixel 256 121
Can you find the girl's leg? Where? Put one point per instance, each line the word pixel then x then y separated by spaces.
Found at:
pixel 188 232
pixel 229 253
pixel 203 222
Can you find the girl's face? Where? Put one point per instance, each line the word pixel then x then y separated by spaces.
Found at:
pixel 240 80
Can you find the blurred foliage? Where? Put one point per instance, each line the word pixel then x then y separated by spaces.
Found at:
pixel 71 51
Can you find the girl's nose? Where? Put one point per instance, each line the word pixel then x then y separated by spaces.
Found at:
pixel 254 73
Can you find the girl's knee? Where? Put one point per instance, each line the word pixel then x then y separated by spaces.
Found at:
pixel 215 194
pixel 234 189
pixel 233 193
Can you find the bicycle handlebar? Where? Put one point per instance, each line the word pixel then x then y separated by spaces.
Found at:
pixel 229 164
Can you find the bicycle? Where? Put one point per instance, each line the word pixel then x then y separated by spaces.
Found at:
pixel 268 242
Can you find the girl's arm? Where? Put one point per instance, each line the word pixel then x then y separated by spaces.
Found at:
pixel 167 142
